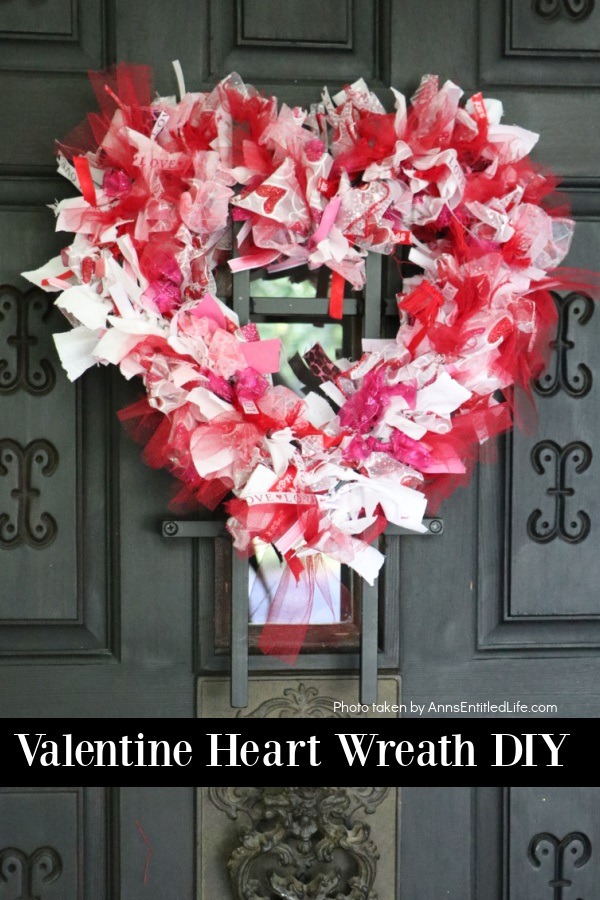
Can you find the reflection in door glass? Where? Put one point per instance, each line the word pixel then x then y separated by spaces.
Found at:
pixel 298 337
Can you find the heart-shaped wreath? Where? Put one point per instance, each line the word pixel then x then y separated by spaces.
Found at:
pixel 161 182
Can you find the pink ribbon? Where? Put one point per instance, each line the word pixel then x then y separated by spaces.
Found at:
pixel 327 219
pixel 253 260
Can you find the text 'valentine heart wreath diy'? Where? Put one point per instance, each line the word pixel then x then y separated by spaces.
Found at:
pixel 161 182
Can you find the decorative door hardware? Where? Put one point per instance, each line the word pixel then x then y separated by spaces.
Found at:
pixel 575 846
pixel 38 377
pixel 29 872
pixel 20 526
pixel 303 843
pixel 574 10
pixel 569 527
pixel 577 308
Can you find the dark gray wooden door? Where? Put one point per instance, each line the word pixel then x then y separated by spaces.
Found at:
pixel 100 615
pixel 90 623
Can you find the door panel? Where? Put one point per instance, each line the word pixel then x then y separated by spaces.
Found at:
pixel 96 843
pixel 46 846
pixel 74 592
pixel 521 843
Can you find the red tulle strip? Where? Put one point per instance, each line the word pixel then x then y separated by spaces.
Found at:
pixel 471 430
pixel 289 613
pixel 163 449
pixel 130 89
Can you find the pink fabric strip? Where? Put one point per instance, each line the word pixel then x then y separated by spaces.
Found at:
pixel 327 219
pixel 253 260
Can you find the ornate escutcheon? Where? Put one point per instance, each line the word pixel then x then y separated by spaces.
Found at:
pixel 576 308
pixel 24 524
pixel 297 703
pixel 575 847
pixel 21 369
pixel 574 10
pixel 28 874
pixel 302 843
pixel 572 528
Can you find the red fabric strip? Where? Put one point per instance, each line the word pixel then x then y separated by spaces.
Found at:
pixel 295 565
pixel 82 167
pixel 64 276
pixel 480 112
pixel 336 295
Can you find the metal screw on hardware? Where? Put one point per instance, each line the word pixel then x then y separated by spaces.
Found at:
pixel 170 529
pixel 435 526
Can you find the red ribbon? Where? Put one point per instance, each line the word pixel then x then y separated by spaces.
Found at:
pixel 480 112
pixel 64 276
pixel 336 295
pixel 86 183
